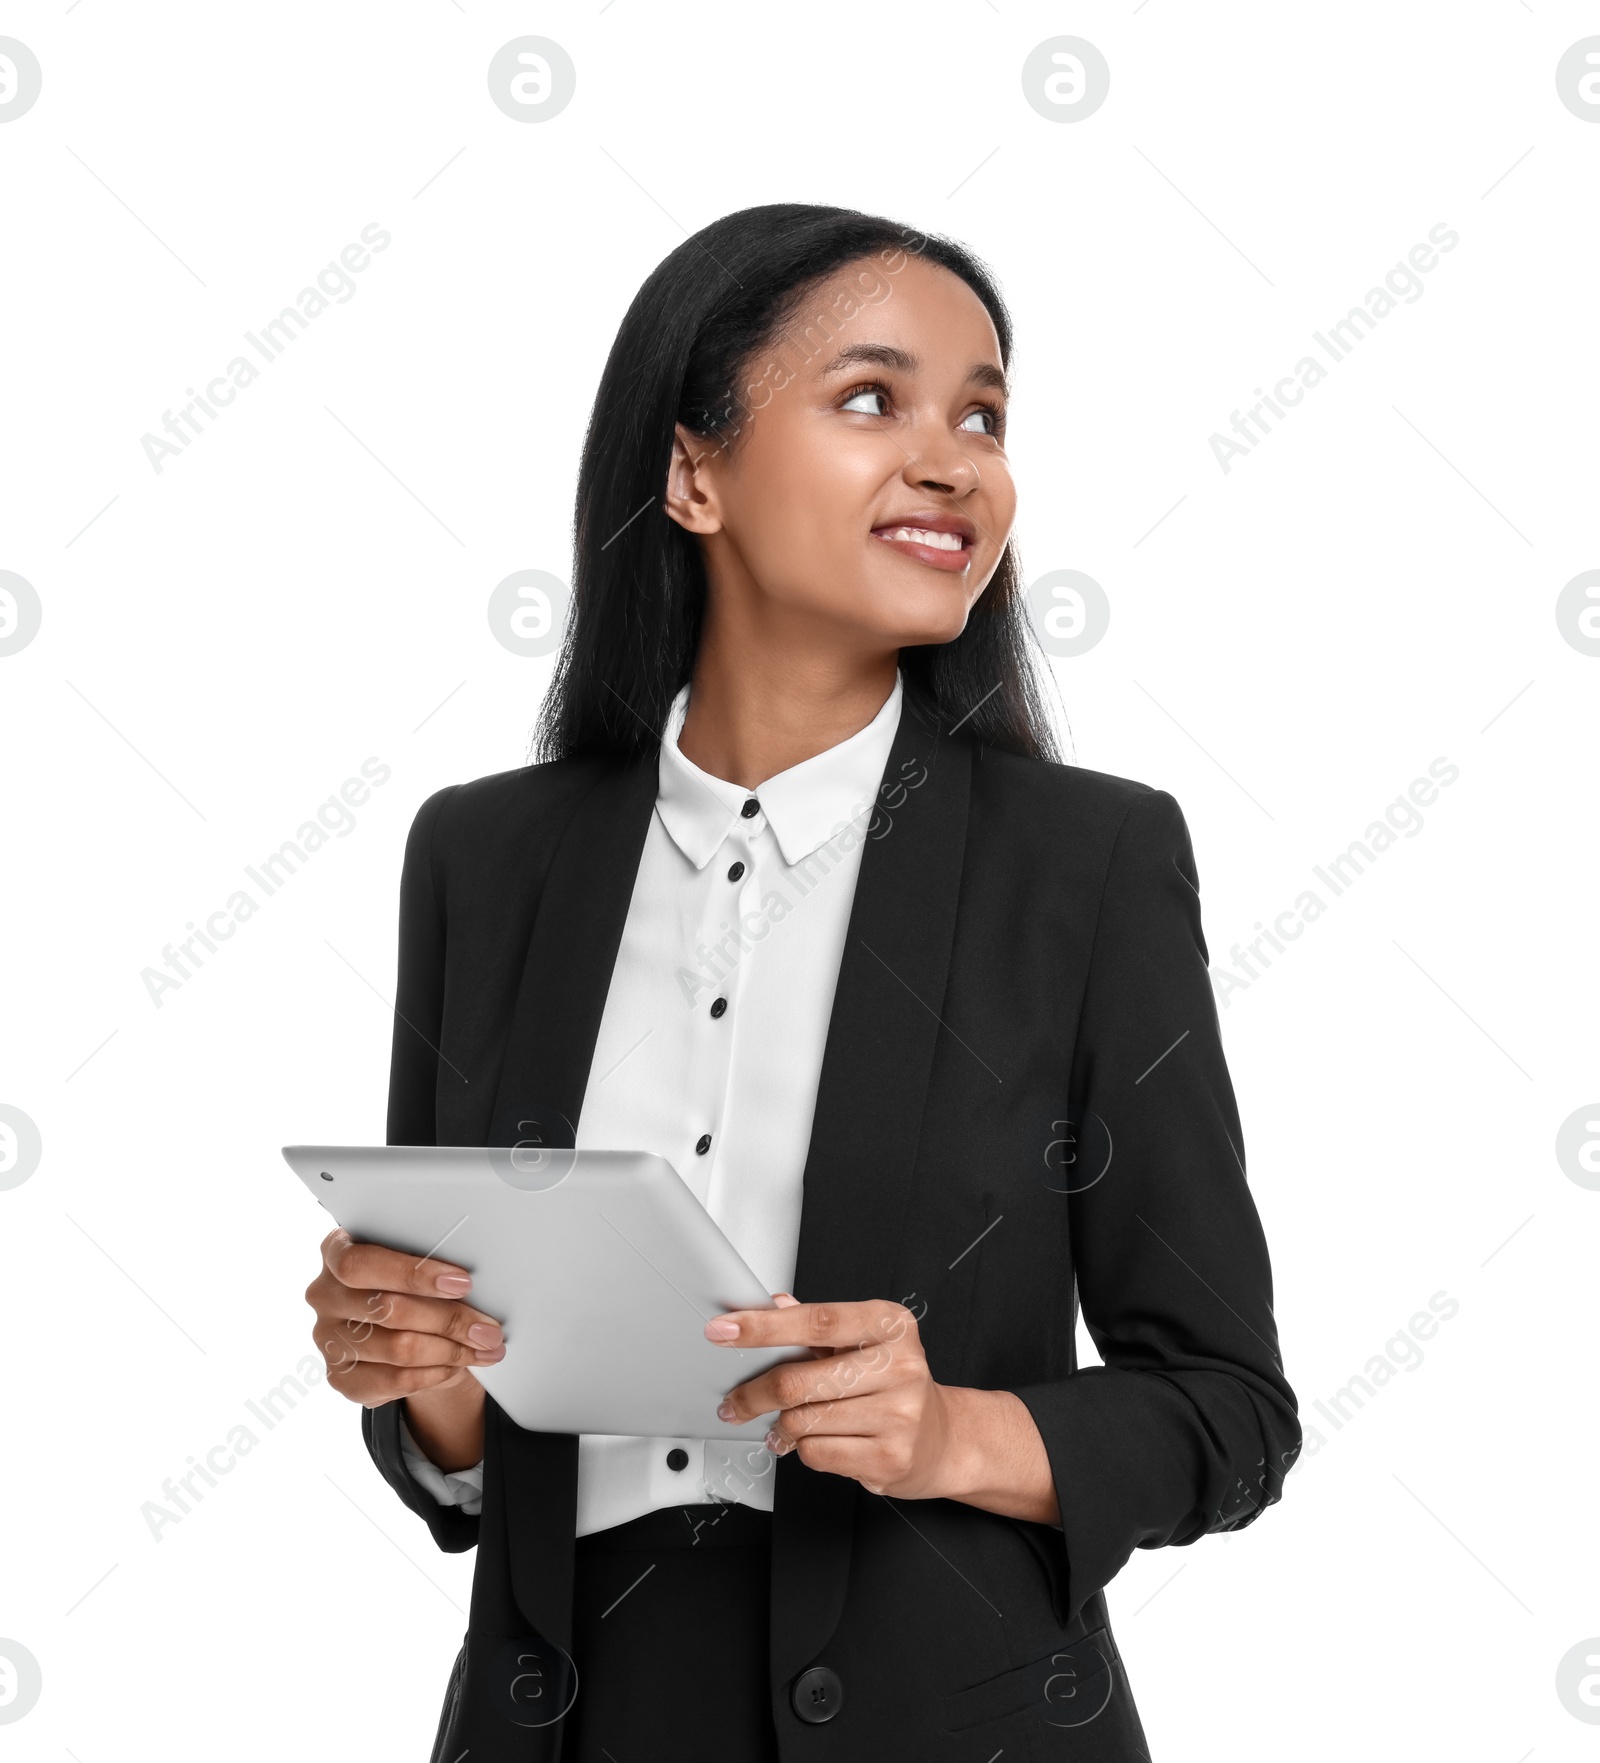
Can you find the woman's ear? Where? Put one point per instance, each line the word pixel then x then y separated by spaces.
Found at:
pixel 691 495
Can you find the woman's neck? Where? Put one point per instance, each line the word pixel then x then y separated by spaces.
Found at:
pixel 754 712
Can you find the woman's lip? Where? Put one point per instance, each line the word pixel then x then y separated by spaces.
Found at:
pixel 952 562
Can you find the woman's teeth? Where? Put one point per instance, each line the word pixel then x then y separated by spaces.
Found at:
pixel 920 536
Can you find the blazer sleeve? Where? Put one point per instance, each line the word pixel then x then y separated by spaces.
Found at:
pixel 1189 1426
pixel 413 1078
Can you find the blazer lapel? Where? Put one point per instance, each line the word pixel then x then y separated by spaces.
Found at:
pixel 859 1164
pixel 572 949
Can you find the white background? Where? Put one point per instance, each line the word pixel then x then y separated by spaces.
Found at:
pixel 1291 643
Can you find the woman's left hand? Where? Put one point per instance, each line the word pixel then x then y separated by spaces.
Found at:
pixel 867 1407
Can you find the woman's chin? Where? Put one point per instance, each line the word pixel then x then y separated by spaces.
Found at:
pixel 943 626
pixel 911 620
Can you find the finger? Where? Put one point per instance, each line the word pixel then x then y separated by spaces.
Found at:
pixel 375 1385
pixel 812 1384
pixel 787 1301
pixel 866 1438
pixel 398 1346
pixel 361 1310
pixel 871 1417
pixel 373 1267
pixel 841 1454
pixel 813 1325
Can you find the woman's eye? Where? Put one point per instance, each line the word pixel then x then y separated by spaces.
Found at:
pixel 853 402
pixel 986 416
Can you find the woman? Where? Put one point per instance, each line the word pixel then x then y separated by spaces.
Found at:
pixel 801 897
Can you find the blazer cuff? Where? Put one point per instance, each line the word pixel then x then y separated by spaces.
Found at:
pixel 1135 1466
pixel 453 1487
pixel 453 1529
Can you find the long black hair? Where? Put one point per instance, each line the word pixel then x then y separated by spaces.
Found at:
pixel 684 348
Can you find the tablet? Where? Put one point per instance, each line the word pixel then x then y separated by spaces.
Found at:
pixel 601 1266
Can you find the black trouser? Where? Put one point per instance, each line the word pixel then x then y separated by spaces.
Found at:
pixel 670 1639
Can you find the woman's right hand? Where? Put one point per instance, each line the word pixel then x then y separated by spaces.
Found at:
pixel 391 1326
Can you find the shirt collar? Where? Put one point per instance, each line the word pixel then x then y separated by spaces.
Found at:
pixel 804 805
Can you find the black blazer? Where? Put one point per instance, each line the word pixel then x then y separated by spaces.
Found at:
pixel 1024 1046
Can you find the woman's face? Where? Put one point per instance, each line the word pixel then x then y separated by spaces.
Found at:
pixel 867 492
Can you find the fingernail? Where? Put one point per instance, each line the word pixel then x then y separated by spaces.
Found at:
pixel 453 1285
pixel 775 1442
pixel 725 1411
pixel 484 1334
pixel 490 1356
pixel 722 1328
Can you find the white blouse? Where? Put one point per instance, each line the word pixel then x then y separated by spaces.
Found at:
pixel 710 1051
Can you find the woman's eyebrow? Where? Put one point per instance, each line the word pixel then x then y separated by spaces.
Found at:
pixel 981 373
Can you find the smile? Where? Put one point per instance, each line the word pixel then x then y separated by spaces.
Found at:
pixel 921 536
pixel 940 550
